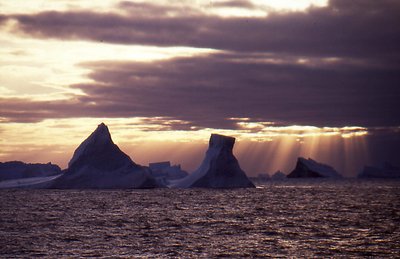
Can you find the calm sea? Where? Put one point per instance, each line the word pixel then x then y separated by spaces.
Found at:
pixel 282 219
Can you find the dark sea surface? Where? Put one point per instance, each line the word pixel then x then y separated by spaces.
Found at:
pixel 348 218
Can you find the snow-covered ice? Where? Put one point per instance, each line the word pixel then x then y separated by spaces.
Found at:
pixel 31 182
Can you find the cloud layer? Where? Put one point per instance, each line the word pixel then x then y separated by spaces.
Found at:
pixel 331 66
pixel 361 28
pixel 207 90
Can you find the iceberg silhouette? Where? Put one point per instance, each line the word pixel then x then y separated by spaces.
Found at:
pixel 99 163
pixel 219 169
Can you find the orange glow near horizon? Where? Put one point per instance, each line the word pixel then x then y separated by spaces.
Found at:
pixel 260 147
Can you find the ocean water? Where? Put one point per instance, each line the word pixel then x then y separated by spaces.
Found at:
pixel 282 219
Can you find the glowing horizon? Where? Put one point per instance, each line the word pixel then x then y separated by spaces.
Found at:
pixel 154 139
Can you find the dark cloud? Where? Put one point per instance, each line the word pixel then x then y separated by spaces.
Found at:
pixel 207 90
pixel 26 110
pixel 3 19
pixel 359 28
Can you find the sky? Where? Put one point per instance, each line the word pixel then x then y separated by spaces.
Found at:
pixel 311 78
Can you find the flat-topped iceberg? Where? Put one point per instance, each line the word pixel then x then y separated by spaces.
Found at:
pixel 18 170
pixel 219 169
pixel 164 172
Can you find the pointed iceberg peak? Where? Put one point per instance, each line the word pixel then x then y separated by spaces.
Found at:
pixel 99 163
pixel 102 133
pixel 219 141
pixel 101 136
pixel 99 140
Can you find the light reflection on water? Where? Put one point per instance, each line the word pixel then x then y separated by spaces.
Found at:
pixel 295 218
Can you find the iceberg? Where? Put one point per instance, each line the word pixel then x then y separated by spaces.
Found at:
pixel 278 175
pixel 263 177
pixel 308 168
pixel 99 163
pixel 163 172
pixel 387 171
pixel 18 170
pixel 219 169
pixel 29 182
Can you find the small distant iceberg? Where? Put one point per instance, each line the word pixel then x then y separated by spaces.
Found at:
pixel 98 163
pixel 386 171
pixel 219 169
pixel 263 177
pixel 163 172
pixel 308 168
pixel 278 176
